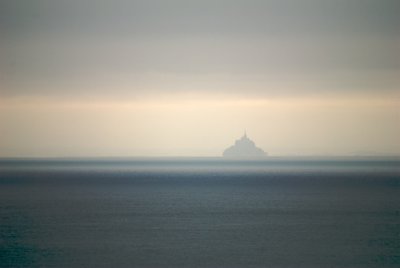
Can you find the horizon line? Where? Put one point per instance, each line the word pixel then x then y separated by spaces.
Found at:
pixel 269 157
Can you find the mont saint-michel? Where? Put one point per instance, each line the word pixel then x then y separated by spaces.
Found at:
pixel 244 148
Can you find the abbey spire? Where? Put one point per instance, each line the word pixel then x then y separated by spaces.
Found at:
pixel 244 148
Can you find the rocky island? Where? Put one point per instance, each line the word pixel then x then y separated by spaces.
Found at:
pixel 244 148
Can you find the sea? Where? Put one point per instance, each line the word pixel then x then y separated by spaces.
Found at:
pixel 200 212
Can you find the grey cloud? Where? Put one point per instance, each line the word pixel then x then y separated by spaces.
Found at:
pixel 200 17
pixel 51 45
pixel 206 55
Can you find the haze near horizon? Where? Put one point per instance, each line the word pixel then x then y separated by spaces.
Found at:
pixel 185 78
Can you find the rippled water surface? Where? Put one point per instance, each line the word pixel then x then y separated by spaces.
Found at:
pixel 199 213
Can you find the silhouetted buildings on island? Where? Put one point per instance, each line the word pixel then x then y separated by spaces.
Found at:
pixel 244 148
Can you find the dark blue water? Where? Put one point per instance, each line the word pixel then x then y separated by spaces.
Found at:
pixel 199 213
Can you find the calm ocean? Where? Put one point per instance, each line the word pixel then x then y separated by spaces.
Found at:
pixel 199 213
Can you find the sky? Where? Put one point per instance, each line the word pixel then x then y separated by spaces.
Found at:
pixel 187 78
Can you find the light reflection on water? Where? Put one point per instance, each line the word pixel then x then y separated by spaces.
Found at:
pixel 269 164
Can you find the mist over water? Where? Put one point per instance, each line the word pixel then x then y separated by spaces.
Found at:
pixel 200 213
pixel 156 78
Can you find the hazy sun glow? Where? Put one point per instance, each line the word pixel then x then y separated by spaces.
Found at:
pixel 198 126
pixel 158 78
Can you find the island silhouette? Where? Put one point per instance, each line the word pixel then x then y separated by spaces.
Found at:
pixel 244 148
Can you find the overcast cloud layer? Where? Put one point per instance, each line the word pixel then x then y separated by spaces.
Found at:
pixel 132 48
